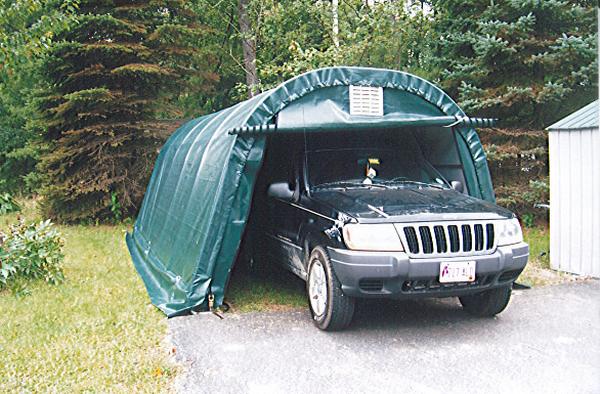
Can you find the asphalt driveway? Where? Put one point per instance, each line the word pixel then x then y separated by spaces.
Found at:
pixel 548 340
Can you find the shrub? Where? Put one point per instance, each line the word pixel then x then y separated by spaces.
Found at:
pixel 522 200
pixel 30 251
pixel 8 204
pixel 518 162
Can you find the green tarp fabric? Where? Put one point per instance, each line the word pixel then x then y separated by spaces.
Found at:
pixel 186 237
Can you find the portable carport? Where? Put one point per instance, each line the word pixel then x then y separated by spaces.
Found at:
pixel 193 216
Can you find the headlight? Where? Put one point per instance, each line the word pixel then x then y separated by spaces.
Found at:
pixel 509 232
pixel 373 237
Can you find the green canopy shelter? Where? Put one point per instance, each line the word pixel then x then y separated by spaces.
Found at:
pixel 188 232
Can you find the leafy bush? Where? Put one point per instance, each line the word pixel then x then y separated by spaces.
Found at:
pixel 30 251
pixel 8 204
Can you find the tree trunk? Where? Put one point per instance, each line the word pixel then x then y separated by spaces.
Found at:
pixel 335 23
pixel 248 47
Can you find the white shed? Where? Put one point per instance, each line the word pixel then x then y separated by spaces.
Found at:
pixel 575 192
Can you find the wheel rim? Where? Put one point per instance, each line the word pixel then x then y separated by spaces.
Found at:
pixel 317 288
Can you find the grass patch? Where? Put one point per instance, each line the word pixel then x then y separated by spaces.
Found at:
pixel 538 239
pixel 97 331
pixel 538 272
pixel 266 287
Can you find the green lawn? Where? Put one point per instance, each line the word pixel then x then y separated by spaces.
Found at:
pixel 266 287
pixel 538 239
pixel 538 272
pixel 97 331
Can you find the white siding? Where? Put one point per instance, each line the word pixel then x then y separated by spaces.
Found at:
pixel 575 201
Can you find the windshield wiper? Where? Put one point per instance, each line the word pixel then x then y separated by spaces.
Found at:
pixel 349 183
pixel 436 185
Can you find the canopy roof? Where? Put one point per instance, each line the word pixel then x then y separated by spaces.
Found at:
pixel 190 225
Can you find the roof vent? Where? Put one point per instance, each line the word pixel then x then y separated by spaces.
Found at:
pixel 366 100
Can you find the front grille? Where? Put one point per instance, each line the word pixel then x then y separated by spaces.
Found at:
pixel 447 239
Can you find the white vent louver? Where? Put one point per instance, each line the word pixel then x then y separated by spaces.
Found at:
pixel 366 101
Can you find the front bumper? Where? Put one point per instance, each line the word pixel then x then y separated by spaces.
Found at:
pixel 395 275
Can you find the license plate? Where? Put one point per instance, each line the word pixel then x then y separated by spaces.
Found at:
pixel 457 271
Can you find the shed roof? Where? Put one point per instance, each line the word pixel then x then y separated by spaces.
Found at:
pixel 585 118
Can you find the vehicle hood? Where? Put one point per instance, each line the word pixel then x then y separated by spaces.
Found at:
pixel 408 204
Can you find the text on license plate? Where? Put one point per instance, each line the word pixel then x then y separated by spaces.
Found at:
pixel 457 271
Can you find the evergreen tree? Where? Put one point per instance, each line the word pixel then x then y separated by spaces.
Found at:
pixel 526 62
pixel 113 73
pixel 26 28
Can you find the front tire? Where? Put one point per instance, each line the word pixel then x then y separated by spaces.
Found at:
pixel 330 308
pixel 487 303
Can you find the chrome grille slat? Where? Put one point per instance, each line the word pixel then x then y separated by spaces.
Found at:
pixel 485 241
pixel 447 238
pixel 420 242
pixel 473 241
pixel 434 243
pixel 469 238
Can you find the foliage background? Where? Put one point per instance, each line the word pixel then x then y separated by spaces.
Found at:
pixel 529 62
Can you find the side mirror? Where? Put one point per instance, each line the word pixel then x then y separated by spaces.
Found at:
pixel 280 190
pixel 458 186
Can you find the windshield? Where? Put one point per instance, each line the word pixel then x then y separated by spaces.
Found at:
pixel 375 166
